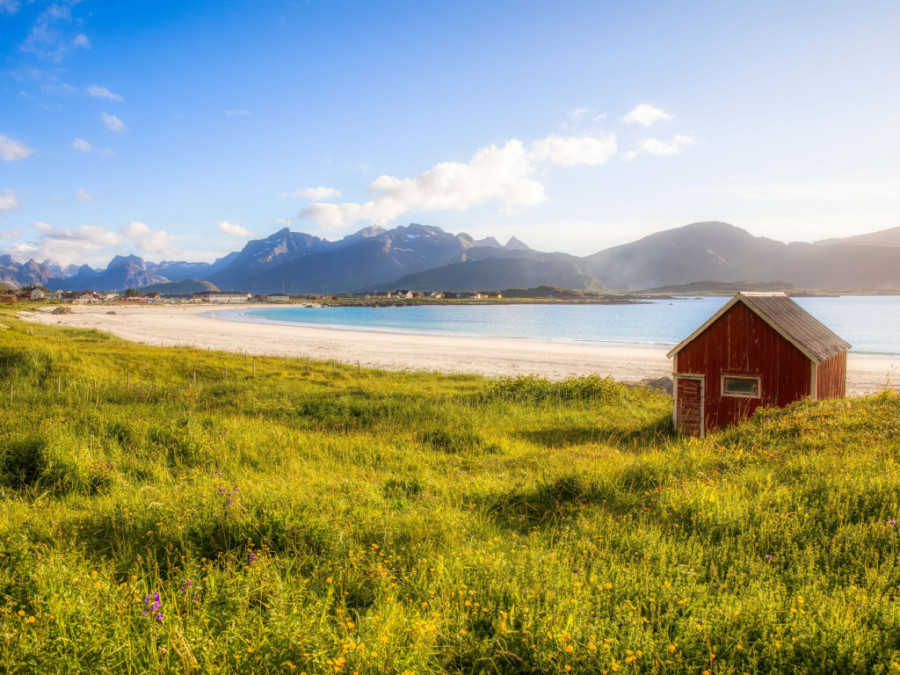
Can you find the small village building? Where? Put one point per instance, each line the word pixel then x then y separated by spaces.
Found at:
pixel 276 298
pixel 760 349
pixel 223 297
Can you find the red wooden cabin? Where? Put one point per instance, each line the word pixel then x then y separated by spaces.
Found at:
pixel 760 349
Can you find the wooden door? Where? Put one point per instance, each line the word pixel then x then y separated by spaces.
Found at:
pixel 689 411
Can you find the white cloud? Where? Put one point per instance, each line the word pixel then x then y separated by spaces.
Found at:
pixel 81 144
pixel 11 150
pixel 655 146
pixel 574 150
pixel 50 36
pixel 578 113
pixel 233 229
pixel 102 92
pixel 493 174
pixel 316 194
pixel 8 201
pixel 237 113
pixel 286 222
pixel 149 240
pixel 83 196
pixel 67 245
pixel 113 123
pixel 9 235
pixel 646 114
pixel 10 6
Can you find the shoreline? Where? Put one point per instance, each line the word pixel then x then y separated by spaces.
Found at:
pixel 381 330
pixel 180 325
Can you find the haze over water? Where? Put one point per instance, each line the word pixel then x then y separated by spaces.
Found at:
pixel 870 323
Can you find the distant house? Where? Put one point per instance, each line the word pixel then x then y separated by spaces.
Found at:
pixel 437 295
pixel 8 297
pixel 450 295
pixel 80 297
pixel 760 349
pixel 381 294
pixel 37 294
pixel 403 294
pixel 276 297
pixel 223 297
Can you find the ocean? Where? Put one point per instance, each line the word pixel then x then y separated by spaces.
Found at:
pixel 870 323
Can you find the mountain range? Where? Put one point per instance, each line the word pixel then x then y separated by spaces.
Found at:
pixel 426 257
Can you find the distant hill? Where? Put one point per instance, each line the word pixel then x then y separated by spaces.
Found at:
pixel 184 287
pixel 546 292
pixel 122 272
pixel 179 270
pixel 31 273
pixel 427 257
pixel 495 273
pixel 365 260
pixel 723 287
pixel 725 253
pixel 889 237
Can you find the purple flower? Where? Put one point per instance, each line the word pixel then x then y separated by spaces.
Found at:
pixel 252 557
pixel 892 522
pixel 575 571
pixel 157 601
pixel 769 556
pixel 160 617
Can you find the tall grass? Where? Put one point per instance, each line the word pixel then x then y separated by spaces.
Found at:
pixel 336 521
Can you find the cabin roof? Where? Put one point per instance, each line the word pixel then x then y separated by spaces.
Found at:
pixel 790 320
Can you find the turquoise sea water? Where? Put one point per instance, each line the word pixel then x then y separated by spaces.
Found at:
pixel 870 323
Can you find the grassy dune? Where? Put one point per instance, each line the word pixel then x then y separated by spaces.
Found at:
pixel 175 510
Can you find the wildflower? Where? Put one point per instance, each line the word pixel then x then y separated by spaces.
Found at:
pixel 770 557
pixel 892 522
pixel 251 557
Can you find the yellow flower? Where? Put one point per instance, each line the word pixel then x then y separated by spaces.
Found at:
pixel 671 649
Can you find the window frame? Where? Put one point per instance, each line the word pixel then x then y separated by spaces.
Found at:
pixel 730 376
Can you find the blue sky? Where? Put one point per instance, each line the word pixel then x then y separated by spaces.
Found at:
pixel 179 130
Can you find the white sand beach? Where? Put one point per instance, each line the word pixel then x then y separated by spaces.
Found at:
pixel 171 325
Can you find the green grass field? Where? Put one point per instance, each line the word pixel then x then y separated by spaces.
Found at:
pixel 173 510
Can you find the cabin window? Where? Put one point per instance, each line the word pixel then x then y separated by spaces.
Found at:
pixel 735 385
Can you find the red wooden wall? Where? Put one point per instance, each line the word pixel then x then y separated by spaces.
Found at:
pixel 740 343
pixel 831 377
